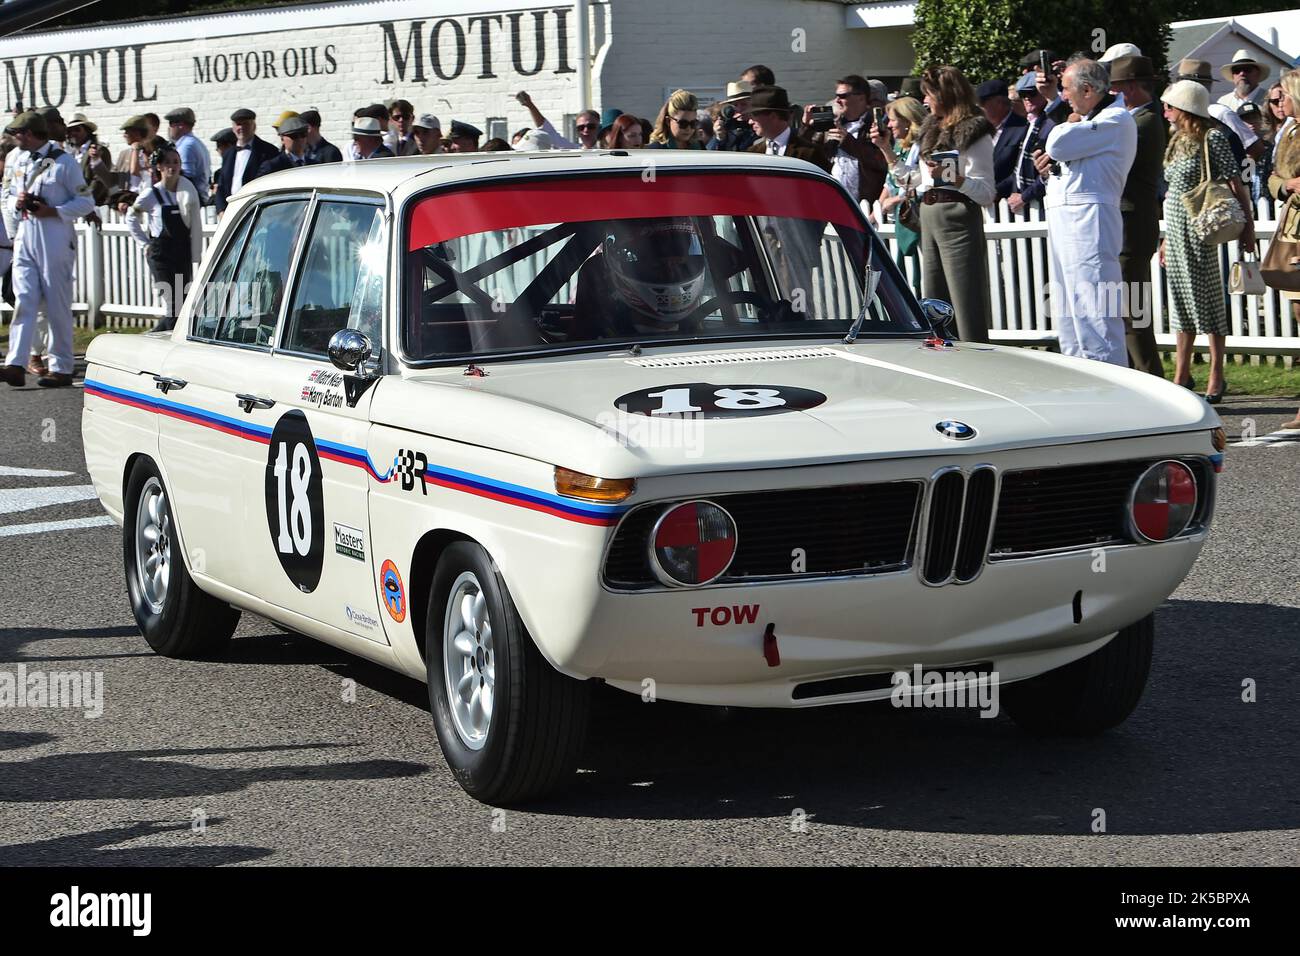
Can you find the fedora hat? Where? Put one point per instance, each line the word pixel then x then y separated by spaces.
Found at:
pixel 366 126
pixel 1131 68
pixel 79 119
pixel 1243 58
pixel 737 90
pixel 769 98
pixel 1198 70
pixel 1188 96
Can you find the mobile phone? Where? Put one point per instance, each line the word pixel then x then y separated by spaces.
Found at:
pixel 820 119
pixel 1043 64
pixel 879 114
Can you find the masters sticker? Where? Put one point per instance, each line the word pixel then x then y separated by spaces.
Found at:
pixel 349 541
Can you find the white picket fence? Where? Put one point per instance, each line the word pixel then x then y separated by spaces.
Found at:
pixel 113 287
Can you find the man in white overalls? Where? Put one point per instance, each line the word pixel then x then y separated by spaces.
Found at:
pixel 1086 164
pixel 49 195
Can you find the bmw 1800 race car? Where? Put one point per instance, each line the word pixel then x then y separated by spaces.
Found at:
pixel 509 425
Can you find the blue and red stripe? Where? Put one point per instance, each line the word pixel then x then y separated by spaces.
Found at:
pixel 463 481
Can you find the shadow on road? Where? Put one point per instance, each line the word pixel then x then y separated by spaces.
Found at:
pixel 97 848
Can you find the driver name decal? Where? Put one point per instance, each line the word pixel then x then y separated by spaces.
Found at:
pixel 704 400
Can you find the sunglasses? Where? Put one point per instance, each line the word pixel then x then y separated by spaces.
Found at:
pixel 685 123
pixel 845 96
pixel 587 126
pixel 1276 102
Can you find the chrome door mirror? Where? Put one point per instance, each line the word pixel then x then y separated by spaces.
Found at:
pixel 349 349
pixel 942 318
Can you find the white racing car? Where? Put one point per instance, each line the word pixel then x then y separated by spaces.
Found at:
pixel 508 424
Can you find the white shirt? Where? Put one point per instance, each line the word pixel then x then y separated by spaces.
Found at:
pixel 149 206
pixel 1095 156
pixel 844 167
pixel 975 164
pixel 777 146
pixel 241 167
pixel 1230 119
pixel 1232 101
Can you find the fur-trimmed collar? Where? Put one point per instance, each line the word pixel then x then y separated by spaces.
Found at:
pixel 933 136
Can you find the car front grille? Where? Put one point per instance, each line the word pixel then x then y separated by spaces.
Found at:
pixel 1042 510
pixel 803 533
pixel 970 517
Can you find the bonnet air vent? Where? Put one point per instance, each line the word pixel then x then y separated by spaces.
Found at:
pixel 744 357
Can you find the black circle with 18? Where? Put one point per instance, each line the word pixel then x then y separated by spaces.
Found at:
pixel 295 503
pixel 705 400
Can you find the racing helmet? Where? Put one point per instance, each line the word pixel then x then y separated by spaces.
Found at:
pixel 656 267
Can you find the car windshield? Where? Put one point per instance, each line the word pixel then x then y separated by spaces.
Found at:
pixel 583 262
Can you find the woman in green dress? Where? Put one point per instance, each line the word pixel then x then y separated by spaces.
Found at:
pixel 1197 296
pixel 902 158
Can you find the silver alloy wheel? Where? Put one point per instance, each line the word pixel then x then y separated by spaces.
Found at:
pixel 153 544
pixel 468 661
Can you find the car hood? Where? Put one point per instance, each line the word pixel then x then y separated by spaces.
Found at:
pixel 882 398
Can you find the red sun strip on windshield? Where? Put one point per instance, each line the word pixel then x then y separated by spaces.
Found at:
pixel 463 212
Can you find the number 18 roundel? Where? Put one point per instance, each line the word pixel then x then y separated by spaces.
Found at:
pixel 295 509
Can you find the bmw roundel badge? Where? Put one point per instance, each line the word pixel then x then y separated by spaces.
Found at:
pixel 957 431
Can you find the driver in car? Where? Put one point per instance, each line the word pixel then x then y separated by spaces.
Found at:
pixel 648 277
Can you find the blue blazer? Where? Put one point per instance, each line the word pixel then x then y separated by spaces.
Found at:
pixel 1005 153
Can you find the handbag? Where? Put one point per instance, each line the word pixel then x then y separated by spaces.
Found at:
pixel 1216 216
pixel 1244 278
pixel 1277 268
pixel 908 213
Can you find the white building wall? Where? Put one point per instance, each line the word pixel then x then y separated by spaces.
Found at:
pixel 331 57
pixel 657 46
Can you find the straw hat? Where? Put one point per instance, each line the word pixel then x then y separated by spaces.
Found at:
pixel 1243 58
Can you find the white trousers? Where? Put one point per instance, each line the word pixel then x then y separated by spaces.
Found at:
pixel 46 281
pixel 1087 289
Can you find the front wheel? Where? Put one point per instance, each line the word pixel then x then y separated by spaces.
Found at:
pixel 176 618
pixel 1091 694
pixel 511 726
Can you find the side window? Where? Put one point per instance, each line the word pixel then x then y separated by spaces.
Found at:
pixel 212 298
pixel 341 282
pixel 259 281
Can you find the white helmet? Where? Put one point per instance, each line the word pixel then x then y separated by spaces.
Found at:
pixel 657 267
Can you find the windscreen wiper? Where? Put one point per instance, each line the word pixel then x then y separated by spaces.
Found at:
pixel 868 294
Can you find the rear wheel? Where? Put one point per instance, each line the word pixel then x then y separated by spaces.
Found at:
pixel 1091 694
pixel 511 726
pixel 176 618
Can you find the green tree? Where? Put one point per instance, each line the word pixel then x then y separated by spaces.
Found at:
pixel 987 38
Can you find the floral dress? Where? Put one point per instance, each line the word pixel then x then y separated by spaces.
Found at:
pixel 1197 295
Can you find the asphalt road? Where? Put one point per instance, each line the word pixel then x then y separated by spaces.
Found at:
pixel 262 749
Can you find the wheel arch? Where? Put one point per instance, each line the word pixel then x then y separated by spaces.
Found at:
pixel 424 559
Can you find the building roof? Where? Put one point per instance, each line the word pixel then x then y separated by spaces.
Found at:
pixel 1190 35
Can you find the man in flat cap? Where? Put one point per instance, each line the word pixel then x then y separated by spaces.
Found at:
pixel 51 196
pixel 368 139
pixel 196 165
pixel 1029 186
pixel 465 137
pixel 1139 207
pixel 241 164
pixel 428 134
pixel 92 156
pixel 319 149
pixel 293 142
pixel 1009 130
pixel 131 167
pixel 1049 82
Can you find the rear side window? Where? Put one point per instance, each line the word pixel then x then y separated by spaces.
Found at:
pixel 212 298
pixel 258 285
pixel 340 282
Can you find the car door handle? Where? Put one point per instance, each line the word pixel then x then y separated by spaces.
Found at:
pixel 250 402
pixel 165 384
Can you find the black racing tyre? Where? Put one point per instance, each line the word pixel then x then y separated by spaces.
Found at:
pixel 1089 695
pixel 176 618
pixel 511 726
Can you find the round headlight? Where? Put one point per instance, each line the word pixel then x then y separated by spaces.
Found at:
pixel 1163 501
pixel 692 544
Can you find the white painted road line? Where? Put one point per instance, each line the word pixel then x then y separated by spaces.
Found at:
pixel 1273 438
pixel 41 527
pixel 6 471
pixel 26 499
